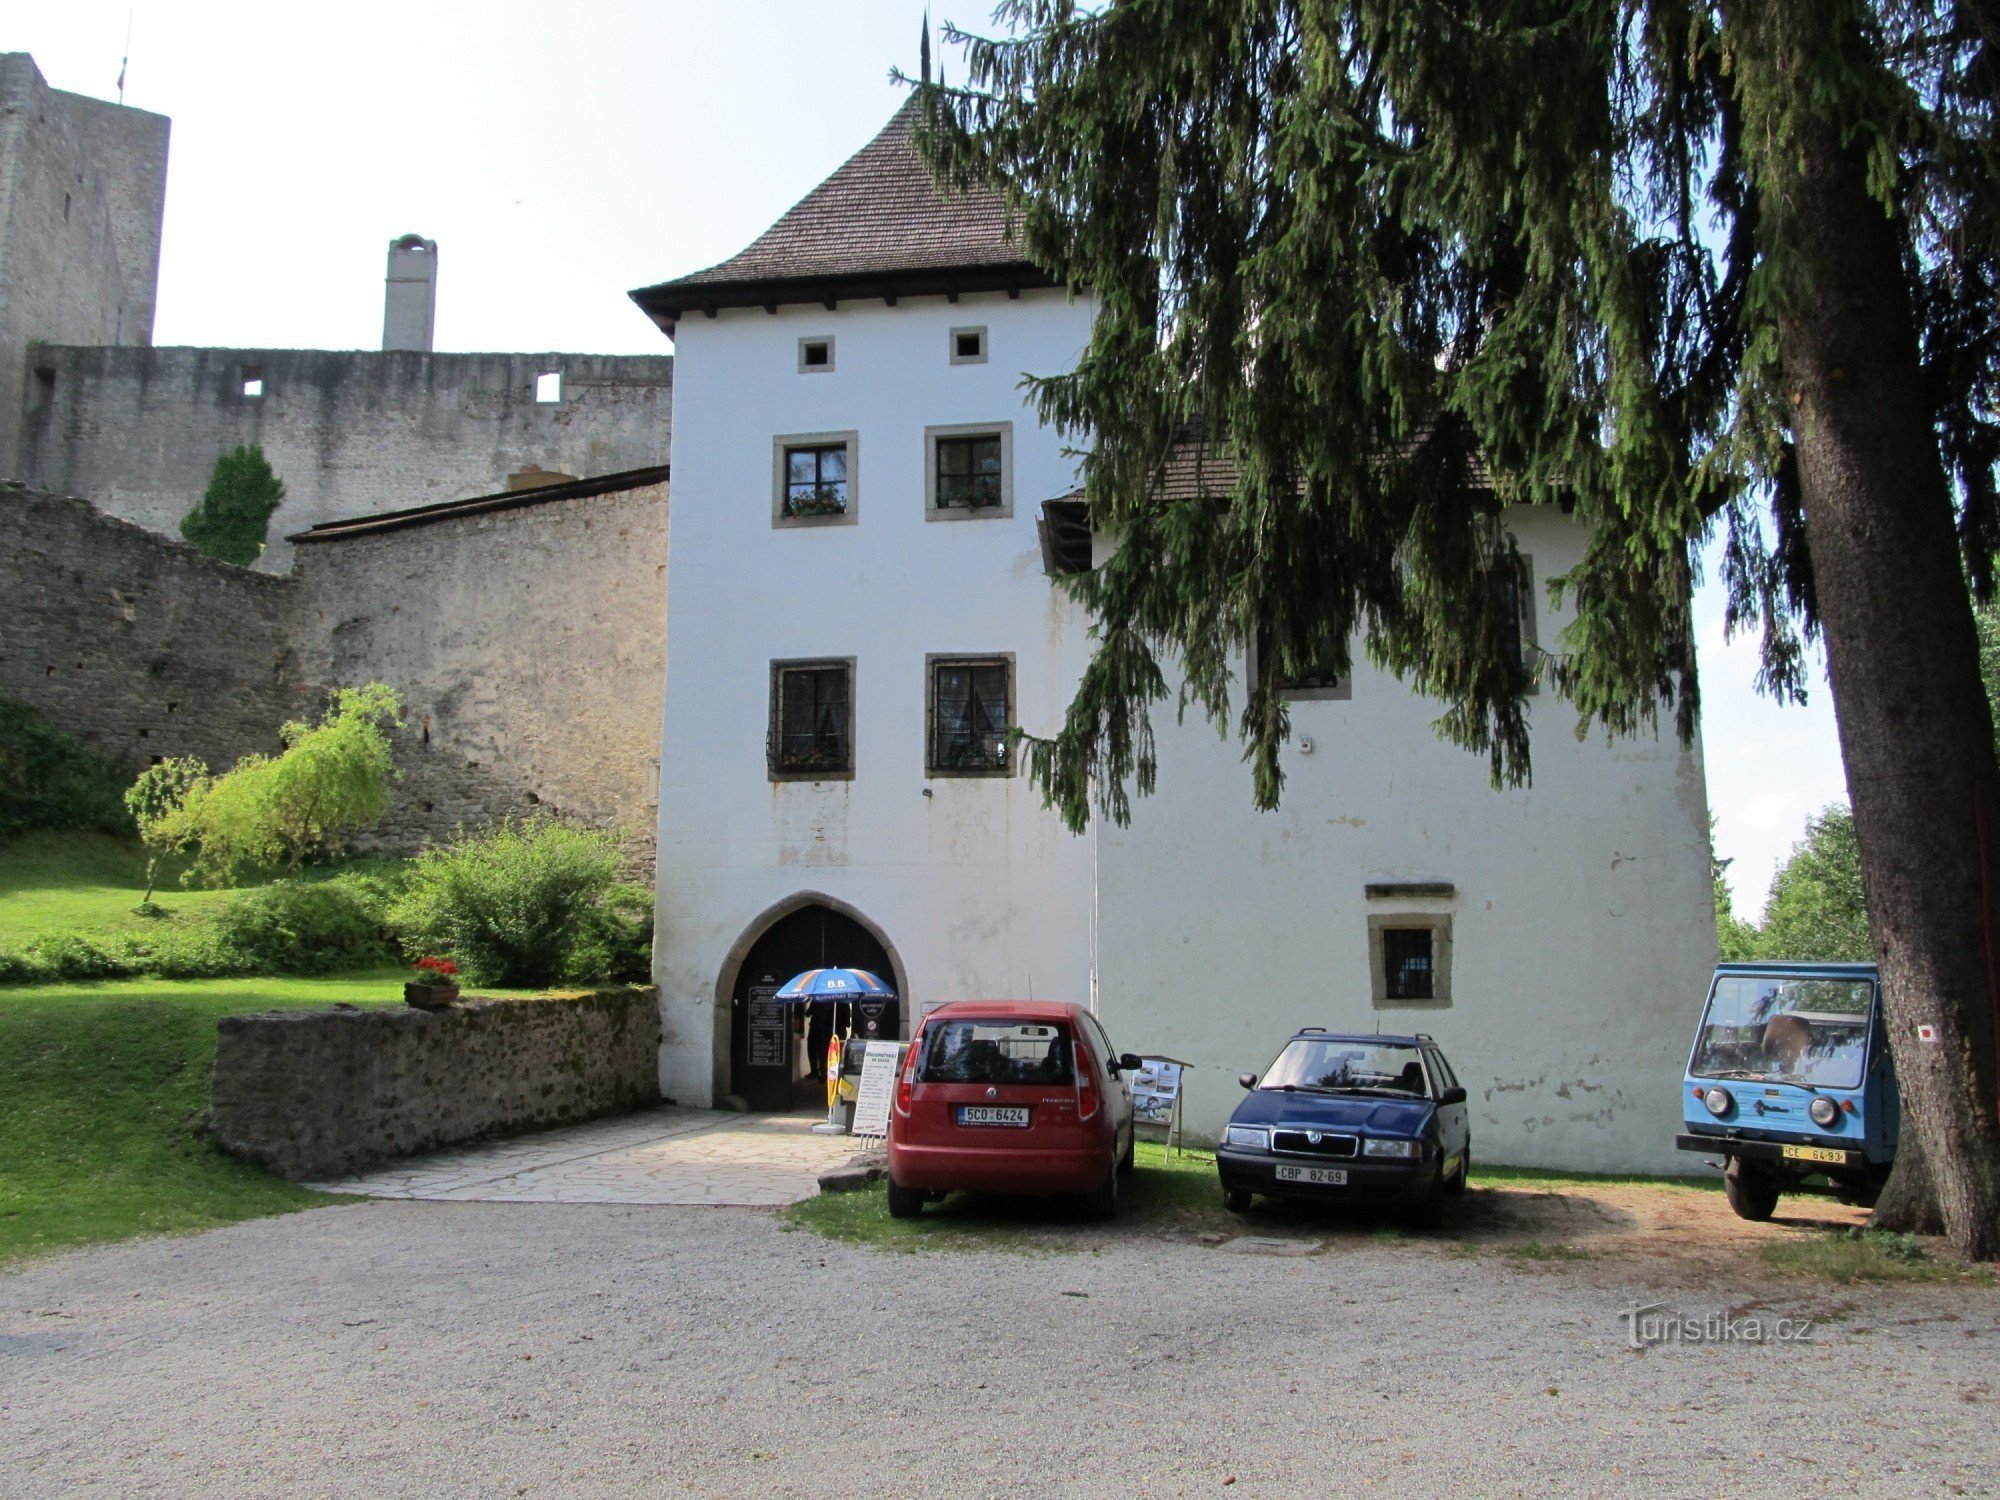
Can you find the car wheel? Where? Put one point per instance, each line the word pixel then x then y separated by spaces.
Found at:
pixel 1752 1192
pixel 1236 1200
pixel 1102 1205
pixel 1427 1212
pixel 1130 1158
pixel 1455 1185
pixel 904 1203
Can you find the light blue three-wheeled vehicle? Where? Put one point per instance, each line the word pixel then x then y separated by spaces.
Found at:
pixel 1789 1081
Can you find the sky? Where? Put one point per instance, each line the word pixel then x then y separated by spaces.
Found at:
pixel 563 153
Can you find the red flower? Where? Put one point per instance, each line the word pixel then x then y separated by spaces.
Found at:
pixel 444 968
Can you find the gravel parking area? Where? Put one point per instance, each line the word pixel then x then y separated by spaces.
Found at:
pixel 477 1349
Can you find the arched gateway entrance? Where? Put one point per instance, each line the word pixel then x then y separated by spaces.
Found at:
pixel 777 1053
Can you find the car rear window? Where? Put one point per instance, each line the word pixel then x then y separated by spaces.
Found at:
pixel 974 1051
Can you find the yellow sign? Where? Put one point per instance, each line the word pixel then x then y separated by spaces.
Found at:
pixel 1813 1153
pixel 832 1071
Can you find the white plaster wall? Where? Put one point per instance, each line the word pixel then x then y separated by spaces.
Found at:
pixel 977 889
pixel 1582 925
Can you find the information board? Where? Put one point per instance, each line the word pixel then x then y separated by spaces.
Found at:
pixel 878 1082
pixel 1155 1088
pixel 767 1028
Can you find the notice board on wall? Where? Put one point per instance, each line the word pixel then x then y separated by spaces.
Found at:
pixel 767 1028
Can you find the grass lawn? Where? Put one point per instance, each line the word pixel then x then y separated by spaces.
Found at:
pixel 1176 1194
pixel 105 1085
pixel 84 883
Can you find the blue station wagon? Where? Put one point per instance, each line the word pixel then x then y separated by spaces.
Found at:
pixel 1359 1119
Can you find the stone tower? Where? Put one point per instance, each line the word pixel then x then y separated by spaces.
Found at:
pixel 83 186
pixel 409 309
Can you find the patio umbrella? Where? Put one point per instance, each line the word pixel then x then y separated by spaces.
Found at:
pixel 816 986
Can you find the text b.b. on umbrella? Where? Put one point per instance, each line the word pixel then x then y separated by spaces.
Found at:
pixel 832 985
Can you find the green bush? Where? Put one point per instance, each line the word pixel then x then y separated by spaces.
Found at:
pixel 331 778
pixel 616 943
pixel 232 520
pixel 528 903
pixel 48 780
pixel 290 927
pixel 304 927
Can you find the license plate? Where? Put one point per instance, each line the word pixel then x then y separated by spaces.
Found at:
pixel 1325 1176
pixel 993 1114
pixel 1813 1153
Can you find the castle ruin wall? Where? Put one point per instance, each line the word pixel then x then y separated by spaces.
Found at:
pixel 140 647
pixel 351 433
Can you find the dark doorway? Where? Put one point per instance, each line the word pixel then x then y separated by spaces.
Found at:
pixel 777 1056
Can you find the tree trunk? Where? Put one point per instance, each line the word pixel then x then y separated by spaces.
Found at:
pixel 1904 663
pixel 1909 1202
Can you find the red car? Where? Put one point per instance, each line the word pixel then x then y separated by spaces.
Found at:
pixel 1010 1096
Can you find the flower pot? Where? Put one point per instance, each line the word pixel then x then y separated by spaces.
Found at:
pixel 429 996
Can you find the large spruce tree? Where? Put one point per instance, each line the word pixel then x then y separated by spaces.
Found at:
pixel 1375 270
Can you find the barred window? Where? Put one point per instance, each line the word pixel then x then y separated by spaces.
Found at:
pixel 812 719
pixel 971 702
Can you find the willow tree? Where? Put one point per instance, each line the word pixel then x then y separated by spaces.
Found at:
pixel 1699 272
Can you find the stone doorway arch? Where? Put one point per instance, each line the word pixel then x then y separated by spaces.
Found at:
pixel 773 1058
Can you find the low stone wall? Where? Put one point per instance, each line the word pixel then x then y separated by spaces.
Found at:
pixel 316 1093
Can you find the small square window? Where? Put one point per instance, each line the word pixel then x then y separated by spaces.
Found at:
pixel 548 387
pixel 968 346
pixel 971 712
pixel 1409 959
pixel 252 378
pixel 969 472
pixel 811 736
pixel 815 355
pixel 815 478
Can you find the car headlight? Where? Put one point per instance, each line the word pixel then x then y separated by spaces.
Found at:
pixel 1718 1101
pixel 1249 1137
pixel 1374 1147
pixel 1825 1113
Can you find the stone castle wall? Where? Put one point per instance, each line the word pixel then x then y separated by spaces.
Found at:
pixel 524 639
pixel 351 433
pixel 140 647
pixel 316 1093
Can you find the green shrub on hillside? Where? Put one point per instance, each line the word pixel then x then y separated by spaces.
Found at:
pixel 528 903
pixel 289 927
pixel 48 780
pixel 269 811
pixel 616 944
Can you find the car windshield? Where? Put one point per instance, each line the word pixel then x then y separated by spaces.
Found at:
pixel 1334 1065
pixel 1811 1031
pixel 974 1051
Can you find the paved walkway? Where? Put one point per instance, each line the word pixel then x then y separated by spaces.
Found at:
pixel 664 1155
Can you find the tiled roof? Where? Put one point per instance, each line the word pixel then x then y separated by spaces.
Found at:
pixel 879 220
